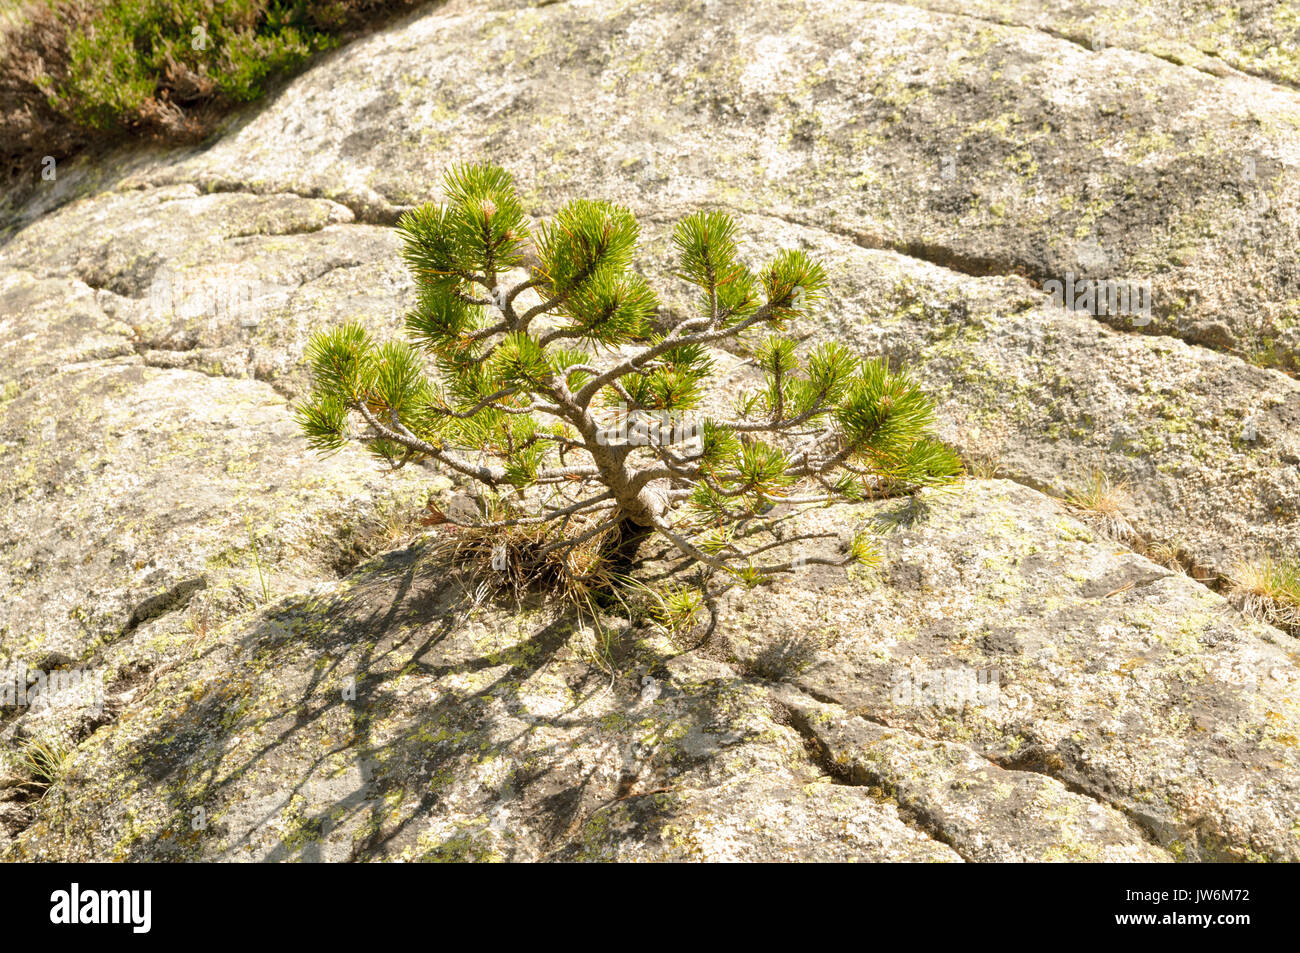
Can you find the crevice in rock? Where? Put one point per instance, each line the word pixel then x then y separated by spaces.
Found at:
pixel 1030 760
pixel 1254 73
pixel 859 776
pixel 193 359
pixel 366 210
pixel 1139 544
pixel 976 266
pixel 172 600
pixel 138 680
pixel 1083 42
pixel 302 228
pixel 1049 763
pixel 21 794
pixel 1161 551
pixel 1165 552
pixel 144 344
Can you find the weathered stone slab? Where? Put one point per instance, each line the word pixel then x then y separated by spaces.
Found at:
pixel 1001 623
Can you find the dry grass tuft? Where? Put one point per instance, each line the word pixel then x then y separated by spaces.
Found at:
pixel 985 466
pixel 1269 589
pixel 1170 555
pixel 533 559
pixel 43 763
pixel 1101 502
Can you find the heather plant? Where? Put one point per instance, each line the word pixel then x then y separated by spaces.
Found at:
pixel 538 365
pixel 74 72
pixel 118 64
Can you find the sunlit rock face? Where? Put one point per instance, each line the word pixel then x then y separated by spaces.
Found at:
pixel 1079 228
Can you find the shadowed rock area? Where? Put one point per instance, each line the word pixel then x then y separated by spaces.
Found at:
pixel 290 670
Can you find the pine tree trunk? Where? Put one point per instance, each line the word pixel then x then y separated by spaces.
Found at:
pixel 624 543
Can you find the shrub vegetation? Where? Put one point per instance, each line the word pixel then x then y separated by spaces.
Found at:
pixel 76 71
pixel 535 366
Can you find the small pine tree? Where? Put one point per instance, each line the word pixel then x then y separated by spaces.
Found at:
pixel 580 415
